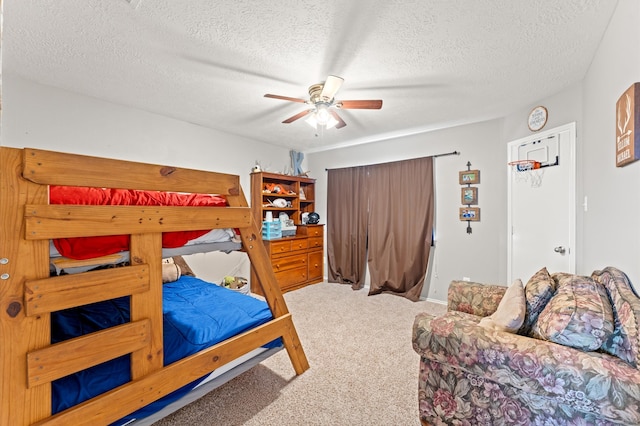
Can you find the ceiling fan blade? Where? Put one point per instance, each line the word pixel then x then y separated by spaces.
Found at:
pixel 331 87
pixel 335 115
pixel 365 104
pixel 285 98
pixel 297 116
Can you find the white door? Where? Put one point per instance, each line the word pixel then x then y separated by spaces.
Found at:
pixel 541 215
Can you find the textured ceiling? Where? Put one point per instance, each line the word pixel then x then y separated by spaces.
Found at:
pixel 434 63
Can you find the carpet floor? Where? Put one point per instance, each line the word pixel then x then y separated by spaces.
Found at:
pixel 363 368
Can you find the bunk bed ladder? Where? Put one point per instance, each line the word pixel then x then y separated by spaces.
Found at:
pixel 260 262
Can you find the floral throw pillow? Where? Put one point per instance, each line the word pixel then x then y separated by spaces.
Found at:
pixel 538 291
pixel 624 342
pixel 474 298
pixel 579 315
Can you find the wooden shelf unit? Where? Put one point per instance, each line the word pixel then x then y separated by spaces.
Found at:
pixel 298 190
pixel 297 260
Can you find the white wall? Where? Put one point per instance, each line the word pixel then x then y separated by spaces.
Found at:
pixel 479 255
pixel 611 227
pixel 39 116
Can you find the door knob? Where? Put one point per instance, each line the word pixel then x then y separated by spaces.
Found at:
pixel 560 250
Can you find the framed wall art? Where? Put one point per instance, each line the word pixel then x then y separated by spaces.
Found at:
pixel 469 177
pixel 471 214
pixel 469 195
pixel 628 126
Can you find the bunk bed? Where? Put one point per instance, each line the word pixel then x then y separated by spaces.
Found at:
pixel 36 357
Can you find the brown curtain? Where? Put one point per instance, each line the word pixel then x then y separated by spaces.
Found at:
pixel 390 207
pixel 400 226
pixel 347 232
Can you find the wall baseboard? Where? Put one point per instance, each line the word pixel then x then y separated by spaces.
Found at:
pixel 439 302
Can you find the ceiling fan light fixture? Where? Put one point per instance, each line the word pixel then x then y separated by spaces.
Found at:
pixel 323 104
pixel 331 123
pixel 322 114
pixel 312 121
pixel 321 117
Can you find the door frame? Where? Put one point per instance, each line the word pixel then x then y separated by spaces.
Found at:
pixel 571 128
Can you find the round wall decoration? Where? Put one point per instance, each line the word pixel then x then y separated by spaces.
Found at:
pixel 537 118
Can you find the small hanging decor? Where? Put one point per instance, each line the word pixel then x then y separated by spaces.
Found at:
pixel 469 195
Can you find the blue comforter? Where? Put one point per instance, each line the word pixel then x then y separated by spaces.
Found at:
pixel 197 315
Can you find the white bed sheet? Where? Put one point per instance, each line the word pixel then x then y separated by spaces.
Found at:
pixel 215 240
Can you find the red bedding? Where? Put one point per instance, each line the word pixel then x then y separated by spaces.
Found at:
pixel 90 247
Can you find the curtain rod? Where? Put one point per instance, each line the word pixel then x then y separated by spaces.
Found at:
pixel 445 154
pixel 434 156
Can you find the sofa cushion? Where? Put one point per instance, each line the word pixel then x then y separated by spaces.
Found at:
pixel 511 310
pixel 624 342
pixel 579 315
pixel 474 298
pixel 538 291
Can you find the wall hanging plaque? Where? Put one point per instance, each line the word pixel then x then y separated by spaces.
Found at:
pixel 628 126
pixel 537 118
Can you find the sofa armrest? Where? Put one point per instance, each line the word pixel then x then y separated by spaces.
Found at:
pixel 474 298
pixel 541 370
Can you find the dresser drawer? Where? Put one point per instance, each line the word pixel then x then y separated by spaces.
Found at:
pixel 291 277
pixel 279 247
pixel 300 244
pixel 315 231
pixel 315 243
pixel 289 262
pixel 316 260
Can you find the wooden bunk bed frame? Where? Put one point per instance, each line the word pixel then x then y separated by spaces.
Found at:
pixel 28 361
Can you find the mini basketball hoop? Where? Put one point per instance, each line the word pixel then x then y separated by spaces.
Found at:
pixel 527 171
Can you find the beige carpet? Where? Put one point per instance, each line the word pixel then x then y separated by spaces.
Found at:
pixel 363 368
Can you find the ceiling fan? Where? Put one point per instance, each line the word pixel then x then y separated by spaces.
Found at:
pixel 322 100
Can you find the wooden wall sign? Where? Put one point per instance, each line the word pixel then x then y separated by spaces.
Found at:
pixel 628 126
pixel 537 118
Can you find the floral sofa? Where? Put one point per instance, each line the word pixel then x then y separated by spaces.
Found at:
pixel 573 361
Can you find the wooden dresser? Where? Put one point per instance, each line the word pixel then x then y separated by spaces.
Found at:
pixel 297 261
